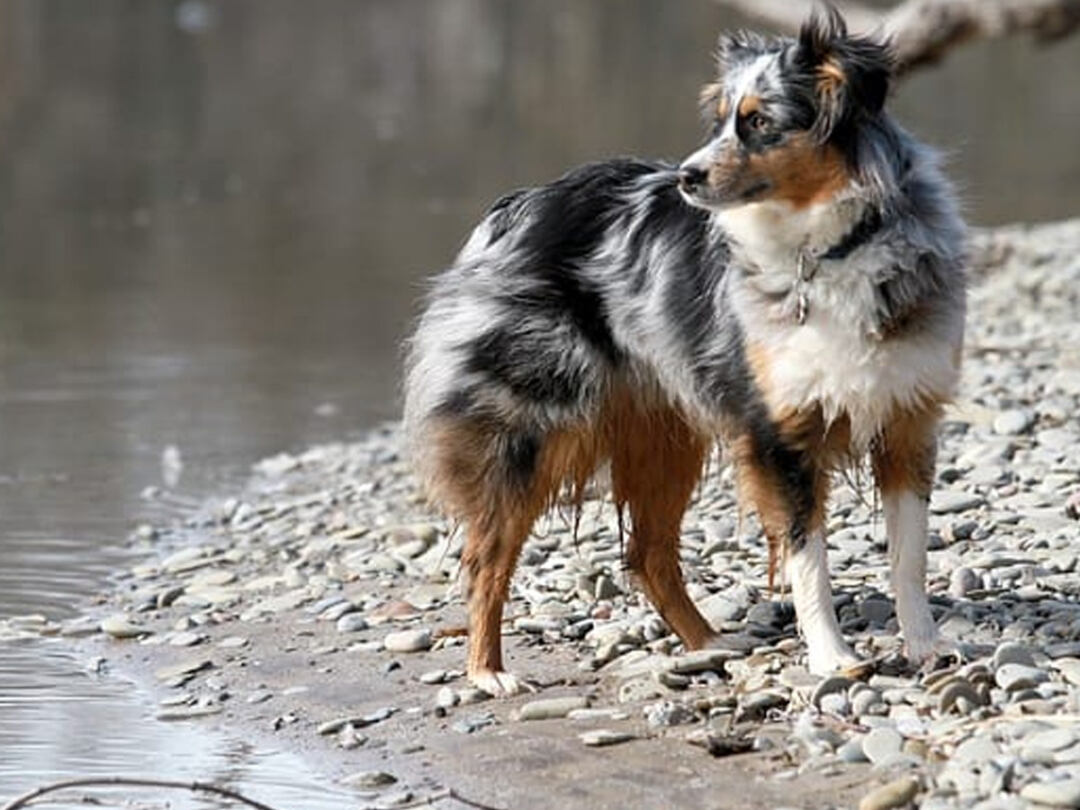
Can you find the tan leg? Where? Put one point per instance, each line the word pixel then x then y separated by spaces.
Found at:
pixel 498 481
pixel 489 558
pixel 656 461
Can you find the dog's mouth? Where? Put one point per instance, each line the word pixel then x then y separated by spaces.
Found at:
pixel 711 197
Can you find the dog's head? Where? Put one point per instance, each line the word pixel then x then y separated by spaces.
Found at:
pixel 785 115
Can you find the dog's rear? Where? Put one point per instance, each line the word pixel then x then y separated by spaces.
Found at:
pixel 806 306
pixel 518 384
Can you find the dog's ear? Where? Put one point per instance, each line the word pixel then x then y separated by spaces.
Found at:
pixel 850 73
pixel 735 47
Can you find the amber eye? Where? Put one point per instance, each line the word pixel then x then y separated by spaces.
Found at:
pixel 757 122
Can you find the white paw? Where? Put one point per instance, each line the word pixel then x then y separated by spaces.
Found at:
pixel 499 683
pixel 926 651
pixel 833 661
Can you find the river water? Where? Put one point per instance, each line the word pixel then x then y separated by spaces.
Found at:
pixel 214 222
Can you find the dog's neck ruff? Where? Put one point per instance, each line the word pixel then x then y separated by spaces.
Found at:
pixel 809 261
pixel 782 251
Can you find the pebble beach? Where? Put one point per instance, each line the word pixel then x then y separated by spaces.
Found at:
pixel 320 607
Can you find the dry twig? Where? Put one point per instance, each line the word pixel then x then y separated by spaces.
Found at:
pixel 201 787
pixel 121 781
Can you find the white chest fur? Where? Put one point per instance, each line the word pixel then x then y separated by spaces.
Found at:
pixel 834 359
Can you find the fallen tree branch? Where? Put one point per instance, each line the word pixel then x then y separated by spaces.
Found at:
pixel 923 31
pixel 121 781
pixel 201 787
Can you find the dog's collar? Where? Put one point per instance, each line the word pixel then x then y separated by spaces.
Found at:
pixel 808 261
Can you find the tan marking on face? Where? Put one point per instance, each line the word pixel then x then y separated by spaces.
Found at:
pixel 749 104
pixel 723 108
pixel 800 171
pixel 904 453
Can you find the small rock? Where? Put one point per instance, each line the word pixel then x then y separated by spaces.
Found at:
pixel 963 581
pixel 602 737
pixel 370 780
pixel 837 703
pixel 119 626
pixel 949 501
pixel 473 722
pixel 775 615
pixel 980 748
pixel 446 698
pixel 894 794
pixel 829 686
pixel 1014 677
pixel 956 691
pixel 1012 652
pixel 881 743
pixel 1053 739
pixel 352 623
pixel 605 588
pixel 1062 793
pixel 668 713
pixel 406 641
pixel 1013 422
pixel 852 752
pixel 186 639
pixel 876 611
pixel 550 708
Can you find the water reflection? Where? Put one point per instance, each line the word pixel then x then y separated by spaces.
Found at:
pixel 66 721
pixel 214 220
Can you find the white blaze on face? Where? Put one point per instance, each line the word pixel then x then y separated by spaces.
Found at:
pixel 738 84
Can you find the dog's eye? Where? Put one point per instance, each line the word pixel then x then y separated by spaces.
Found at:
pixel 757 122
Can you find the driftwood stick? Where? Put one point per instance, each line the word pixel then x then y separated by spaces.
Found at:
pixel 121 781
pixel 923 31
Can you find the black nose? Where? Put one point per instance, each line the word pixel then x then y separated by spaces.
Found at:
pixel 691 177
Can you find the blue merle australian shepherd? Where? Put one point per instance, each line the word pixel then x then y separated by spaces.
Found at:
pixel 794 290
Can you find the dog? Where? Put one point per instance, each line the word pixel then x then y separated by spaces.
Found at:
pixel 795 290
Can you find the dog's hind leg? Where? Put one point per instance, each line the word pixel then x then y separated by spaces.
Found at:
pixel 904 469
pixel 498 480
pixel 656 460
pixel 490 555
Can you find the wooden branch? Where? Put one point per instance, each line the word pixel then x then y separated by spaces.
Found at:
pixel 922 31
pixel 201 787
pixel 120 781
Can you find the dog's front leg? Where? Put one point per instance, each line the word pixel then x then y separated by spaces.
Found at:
pixel 789 491
pixel 808 573
pixel 904 468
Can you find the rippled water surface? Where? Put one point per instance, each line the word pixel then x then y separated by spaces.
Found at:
pixel 214 219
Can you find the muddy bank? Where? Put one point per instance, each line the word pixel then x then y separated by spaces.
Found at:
pixel 319 608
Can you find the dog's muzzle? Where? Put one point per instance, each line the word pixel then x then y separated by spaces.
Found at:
pixel 692 178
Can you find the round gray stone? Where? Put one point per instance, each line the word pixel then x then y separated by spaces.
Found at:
pixel 882 743
pixel 406 641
